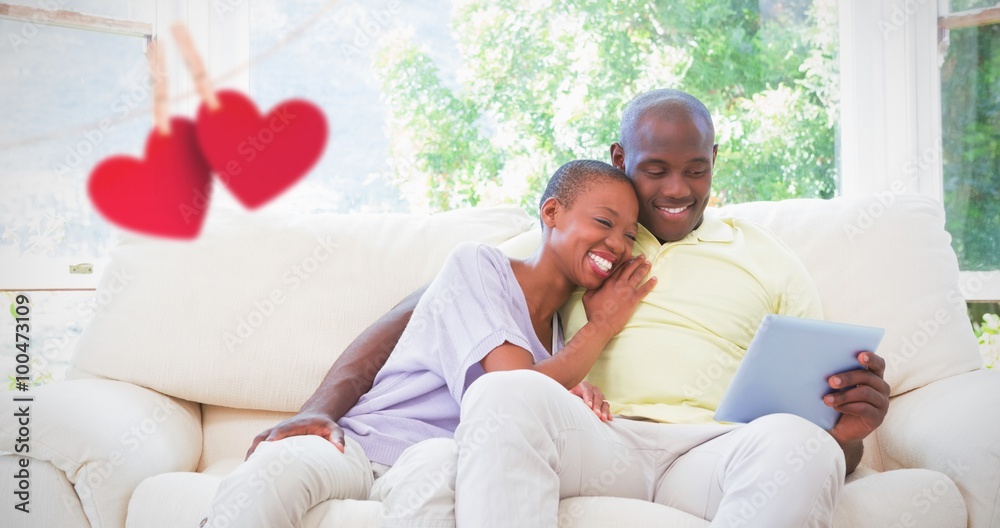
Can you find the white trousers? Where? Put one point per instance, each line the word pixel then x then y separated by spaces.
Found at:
pixel 525 443
pixel 282 480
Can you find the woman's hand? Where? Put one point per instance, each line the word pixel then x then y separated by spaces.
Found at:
pixel 612 304
pixel 594 399
pixel 301 425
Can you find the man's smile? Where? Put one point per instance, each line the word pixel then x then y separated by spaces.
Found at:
pixel 674 211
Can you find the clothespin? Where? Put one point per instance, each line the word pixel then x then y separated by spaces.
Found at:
pixel 201 80
pixel 161 107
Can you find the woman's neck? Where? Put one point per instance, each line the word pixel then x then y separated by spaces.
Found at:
pixel 545 288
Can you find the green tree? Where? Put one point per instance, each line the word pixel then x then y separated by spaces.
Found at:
pixel 970 117
pixel 542 83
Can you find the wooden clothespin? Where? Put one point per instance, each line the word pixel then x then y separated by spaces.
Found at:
pixel 161 101
pixel 201 80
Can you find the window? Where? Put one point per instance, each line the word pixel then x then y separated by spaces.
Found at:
pixel 75 91
pixel 915 103
pixel 970 112
pixel 78 83
pixel 445 105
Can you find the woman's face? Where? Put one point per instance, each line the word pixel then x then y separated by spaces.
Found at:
pixel 596 233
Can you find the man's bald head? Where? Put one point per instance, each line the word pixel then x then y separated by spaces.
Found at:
pixel 668 105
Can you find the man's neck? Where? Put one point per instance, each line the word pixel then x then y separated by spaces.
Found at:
pixel 662 242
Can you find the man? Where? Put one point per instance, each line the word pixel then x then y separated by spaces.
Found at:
pixel 717 281
pixel 667 370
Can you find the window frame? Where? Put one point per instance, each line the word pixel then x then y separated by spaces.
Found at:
pixel 891 104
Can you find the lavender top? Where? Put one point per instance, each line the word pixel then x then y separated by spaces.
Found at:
pixel 473 306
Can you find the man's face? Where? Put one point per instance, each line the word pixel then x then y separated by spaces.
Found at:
pixel 670 161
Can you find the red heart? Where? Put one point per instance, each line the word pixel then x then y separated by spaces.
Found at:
pixel 164 194
pixel 256 157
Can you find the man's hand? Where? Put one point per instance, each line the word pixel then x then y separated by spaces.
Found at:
pixel 862 397
pixel 301 425
pixel 594 399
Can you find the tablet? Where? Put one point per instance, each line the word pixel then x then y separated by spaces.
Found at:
pixel 787 365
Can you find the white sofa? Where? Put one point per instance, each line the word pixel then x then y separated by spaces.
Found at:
pixel 210 342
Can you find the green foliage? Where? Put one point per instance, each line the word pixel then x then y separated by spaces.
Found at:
pixel 970 114
pixel 988 333
pixel 542 83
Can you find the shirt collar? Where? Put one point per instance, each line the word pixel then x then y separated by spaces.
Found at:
pixel 712 229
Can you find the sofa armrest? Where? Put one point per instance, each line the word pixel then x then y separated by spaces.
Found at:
pixel 107 437
pixel 950 426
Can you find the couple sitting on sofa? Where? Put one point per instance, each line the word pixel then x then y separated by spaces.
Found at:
pixel 524 441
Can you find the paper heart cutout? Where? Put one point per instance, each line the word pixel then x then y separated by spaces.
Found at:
pixel 259 157
pixel 166 193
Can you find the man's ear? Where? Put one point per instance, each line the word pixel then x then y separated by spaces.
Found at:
pixel 618 155
pixel 549 211
pixel 715 150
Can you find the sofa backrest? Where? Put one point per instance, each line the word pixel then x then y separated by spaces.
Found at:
pixel 882 260
pixel 253 313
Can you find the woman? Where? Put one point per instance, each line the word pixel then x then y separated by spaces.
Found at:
pixel 483 312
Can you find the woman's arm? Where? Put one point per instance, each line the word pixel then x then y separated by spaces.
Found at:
pixel 608 309
pixel 351 375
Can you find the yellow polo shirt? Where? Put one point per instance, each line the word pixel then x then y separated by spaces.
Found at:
pixel 674 359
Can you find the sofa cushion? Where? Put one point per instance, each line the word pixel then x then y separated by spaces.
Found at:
pixel 182 499
pixel 894 498
pixel 104 437
pixel 883 260
pixel 254 312
pixel 52 499
pixel 228 432
pixel 905 497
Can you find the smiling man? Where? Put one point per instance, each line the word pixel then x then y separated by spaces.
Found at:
pixel 665 372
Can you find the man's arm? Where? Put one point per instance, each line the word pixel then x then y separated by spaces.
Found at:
pixel 862 395
pixel 351 376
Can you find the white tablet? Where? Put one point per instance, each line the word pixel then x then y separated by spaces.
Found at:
pixel 787 365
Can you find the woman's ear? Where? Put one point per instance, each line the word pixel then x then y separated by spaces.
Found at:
pixel 550 210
